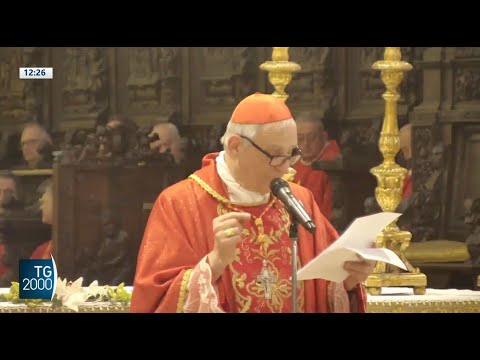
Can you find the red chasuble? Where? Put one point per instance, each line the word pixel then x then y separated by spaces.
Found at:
pixel 179 235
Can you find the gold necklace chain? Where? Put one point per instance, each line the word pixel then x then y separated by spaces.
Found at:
pixel 231 206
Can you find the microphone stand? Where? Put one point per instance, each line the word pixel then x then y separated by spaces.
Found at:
pixel 294 238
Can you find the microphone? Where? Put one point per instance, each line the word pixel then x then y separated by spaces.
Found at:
pixel 281 190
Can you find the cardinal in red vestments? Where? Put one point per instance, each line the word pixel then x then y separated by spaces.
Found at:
pixel 219 240
pixel 315 144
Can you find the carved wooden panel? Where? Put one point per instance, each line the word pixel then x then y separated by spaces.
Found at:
pixel 364 87
pixel 467 52
pixel 467 84
pixel 359 143
pixel 88 200
pixel 149 83
pixel 466 174
pixel 80 86
pixel 20 100
pixel 372 86
pixel 312 86
pixel 430 173
pixel 222 76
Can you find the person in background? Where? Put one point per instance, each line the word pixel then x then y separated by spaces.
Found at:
pixel 44 250
pixel 315 145
pixel 169 140
pixel 35 142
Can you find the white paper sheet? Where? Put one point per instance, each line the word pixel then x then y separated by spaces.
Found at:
pixel 356 242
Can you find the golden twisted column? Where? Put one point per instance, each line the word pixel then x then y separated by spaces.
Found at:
pixel 390 178
pixel 280 71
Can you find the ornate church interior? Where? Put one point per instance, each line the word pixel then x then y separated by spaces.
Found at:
pixel 98 143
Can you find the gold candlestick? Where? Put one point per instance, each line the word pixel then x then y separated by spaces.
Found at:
pixel 390 177
pixel 280 71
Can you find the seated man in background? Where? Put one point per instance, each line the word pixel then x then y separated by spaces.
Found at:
pixel 8 194
pixel 314 143
pixel 37 147
pixel 169 140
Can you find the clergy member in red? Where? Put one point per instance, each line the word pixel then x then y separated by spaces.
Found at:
pixel 219 241
pixel 315 145
pixel 44 250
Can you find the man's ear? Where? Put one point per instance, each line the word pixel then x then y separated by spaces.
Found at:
pixel 234 143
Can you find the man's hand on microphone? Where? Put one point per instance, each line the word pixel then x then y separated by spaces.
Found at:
pixel 227 230
pixel 359 272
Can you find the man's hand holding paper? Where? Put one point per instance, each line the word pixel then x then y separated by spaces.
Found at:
pixel 342 261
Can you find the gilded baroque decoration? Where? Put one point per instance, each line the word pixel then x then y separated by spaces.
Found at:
pixel 390 177
pixel 85 93
pixel 467 85
pixel 153 80
pixel 20 100
pixel 280 71
pixel 372 85
pixel 312 83
pixel 227 74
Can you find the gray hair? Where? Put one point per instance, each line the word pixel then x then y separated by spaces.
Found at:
pixel 311 116
pixel 171 128
pixel 45 136
pixel 251 130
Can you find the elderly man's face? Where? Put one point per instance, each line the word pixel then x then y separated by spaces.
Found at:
pixel 7 191
pixel 255 166
pixel 311 139
pixel 32 139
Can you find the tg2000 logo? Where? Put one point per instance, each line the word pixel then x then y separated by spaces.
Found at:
pixel 38 279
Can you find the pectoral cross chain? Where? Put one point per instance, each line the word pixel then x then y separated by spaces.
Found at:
pixel 266 279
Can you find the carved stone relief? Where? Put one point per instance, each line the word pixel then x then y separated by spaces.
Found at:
pixel 85 92
pixel 312 83
pixel 372 86
pixel 467 84
pixel 428 170
pixel 360 135
pixel 154 79
pixel 228 74
pixel 467 52
pixel 20 100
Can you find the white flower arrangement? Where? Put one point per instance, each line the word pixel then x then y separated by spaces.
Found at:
pixel 72 294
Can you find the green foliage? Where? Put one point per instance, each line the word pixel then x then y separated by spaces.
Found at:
pixel 13 296
pixel 113 295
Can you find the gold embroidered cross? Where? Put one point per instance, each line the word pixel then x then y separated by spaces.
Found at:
pixel 266 279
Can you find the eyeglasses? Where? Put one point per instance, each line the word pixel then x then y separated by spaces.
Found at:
pixel 278 160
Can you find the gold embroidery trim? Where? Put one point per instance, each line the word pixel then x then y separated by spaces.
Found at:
pixel 216 195
pixel 183 290
pixel 423 306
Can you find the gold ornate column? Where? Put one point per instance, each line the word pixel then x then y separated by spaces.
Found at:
pixel 280 71
pixel 390 178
